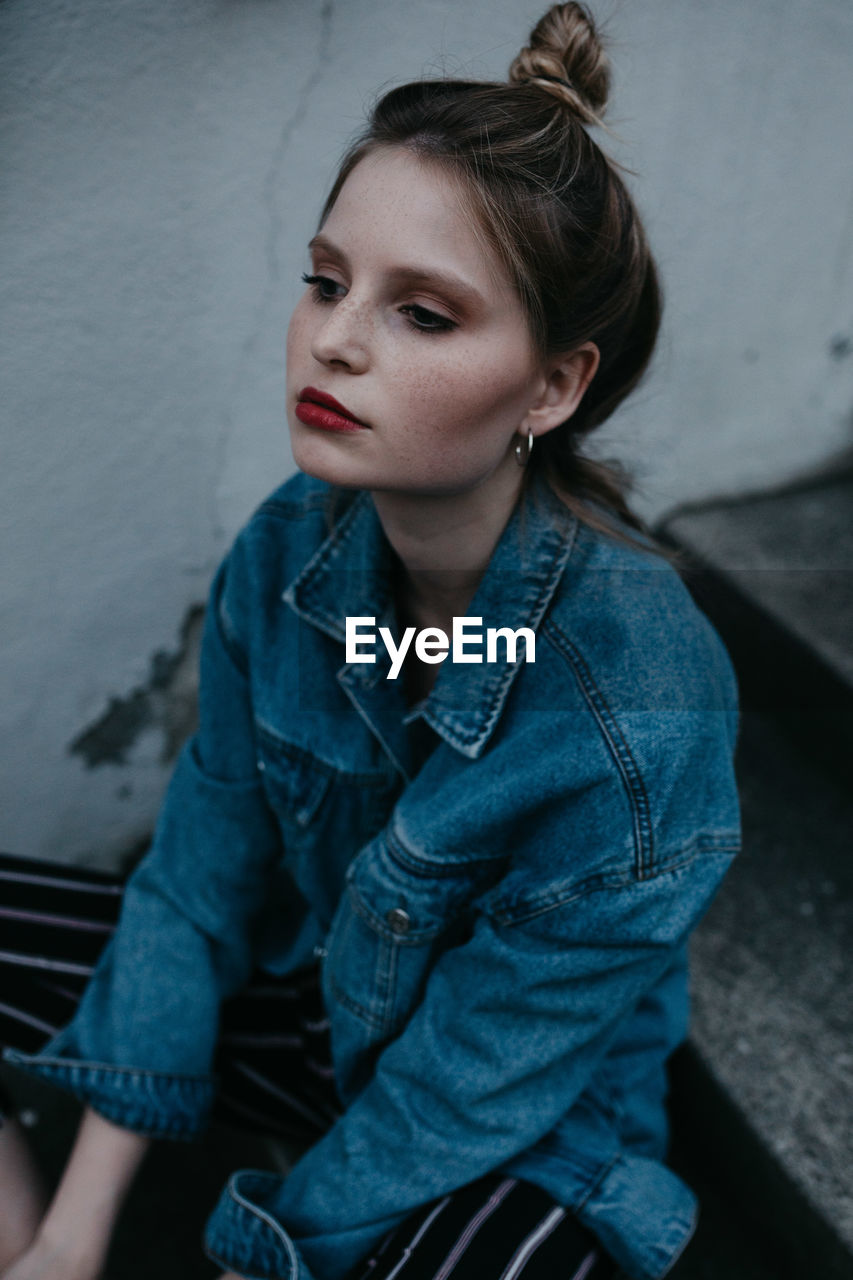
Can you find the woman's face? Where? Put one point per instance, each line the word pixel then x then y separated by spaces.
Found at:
pixel 415 330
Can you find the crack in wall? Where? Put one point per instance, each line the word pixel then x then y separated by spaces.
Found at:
pixel 272 183
pixel 167 702
pixel 275 226
pixel 273 178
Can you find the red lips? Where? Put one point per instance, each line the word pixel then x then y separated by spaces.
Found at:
pixel 313 396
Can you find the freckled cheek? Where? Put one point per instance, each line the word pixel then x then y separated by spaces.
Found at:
pixel 475 396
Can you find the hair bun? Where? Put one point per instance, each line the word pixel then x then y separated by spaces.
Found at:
pixel 565 58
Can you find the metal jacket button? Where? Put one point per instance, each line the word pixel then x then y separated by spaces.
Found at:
pixel 398 919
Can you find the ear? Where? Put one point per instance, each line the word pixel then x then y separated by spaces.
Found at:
pixel 566 379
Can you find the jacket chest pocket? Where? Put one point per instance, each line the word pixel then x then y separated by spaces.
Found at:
pixel 389 927
pixel 324 814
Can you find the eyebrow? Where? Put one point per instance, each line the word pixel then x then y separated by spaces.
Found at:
pixel 411 275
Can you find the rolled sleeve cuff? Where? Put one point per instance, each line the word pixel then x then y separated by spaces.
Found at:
pixel 147 1102
pixel 643 1215
pixel 242 1236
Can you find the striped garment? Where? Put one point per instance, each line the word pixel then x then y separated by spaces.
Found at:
pixel 275 1071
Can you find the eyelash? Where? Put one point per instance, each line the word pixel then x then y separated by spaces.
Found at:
pixel 442 325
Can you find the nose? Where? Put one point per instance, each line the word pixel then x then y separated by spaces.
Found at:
pixel 342 336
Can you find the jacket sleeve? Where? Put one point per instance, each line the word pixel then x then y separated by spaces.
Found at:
pixel 511 1025
pixel 140 1046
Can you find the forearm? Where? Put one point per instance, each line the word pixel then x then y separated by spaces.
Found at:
pixel 100 1169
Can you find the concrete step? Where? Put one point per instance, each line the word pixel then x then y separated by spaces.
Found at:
pixel 766 1088
pixel 763 1095
pixel 775 573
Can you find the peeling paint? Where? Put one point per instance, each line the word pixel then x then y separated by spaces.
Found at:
pixel 166 702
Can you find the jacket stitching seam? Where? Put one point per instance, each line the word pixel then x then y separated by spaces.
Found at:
pixel 412 939
pixel 612 733
pixel 694 1223
pixel 361 1011
pixel 427 868
pixel 387 957
pixel 68 1064
pixel 276 1227
pixel 330 771
pixel 584 888
pixel 596 1183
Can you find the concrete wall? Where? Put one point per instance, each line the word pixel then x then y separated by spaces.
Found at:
pixel 162 168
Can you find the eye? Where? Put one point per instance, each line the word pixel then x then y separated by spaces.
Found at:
pixel 322 287
pixel 419 318
pixel 427 321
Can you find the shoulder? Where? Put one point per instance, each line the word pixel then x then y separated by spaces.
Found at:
pixel 623 617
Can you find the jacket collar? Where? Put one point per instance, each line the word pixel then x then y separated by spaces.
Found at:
pixel 351 574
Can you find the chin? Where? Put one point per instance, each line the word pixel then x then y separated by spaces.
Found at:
pixel 316 459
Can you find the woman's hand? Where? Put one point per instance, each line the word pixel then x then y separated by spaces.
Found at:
pixel 72 1241
pixel 23 1194
pixel 42 1262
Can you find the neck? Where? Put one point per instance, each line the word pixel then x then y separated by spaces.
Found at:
pixel 444 544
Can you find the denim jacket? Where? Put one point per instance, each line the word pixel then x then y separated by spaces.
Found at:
pixel 501 918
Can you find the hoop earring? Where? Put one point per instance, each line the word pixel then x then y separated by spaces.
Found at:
pixel 523 460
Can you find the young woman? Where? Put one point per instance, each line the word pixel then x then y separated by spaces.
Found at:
pixel 428 909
